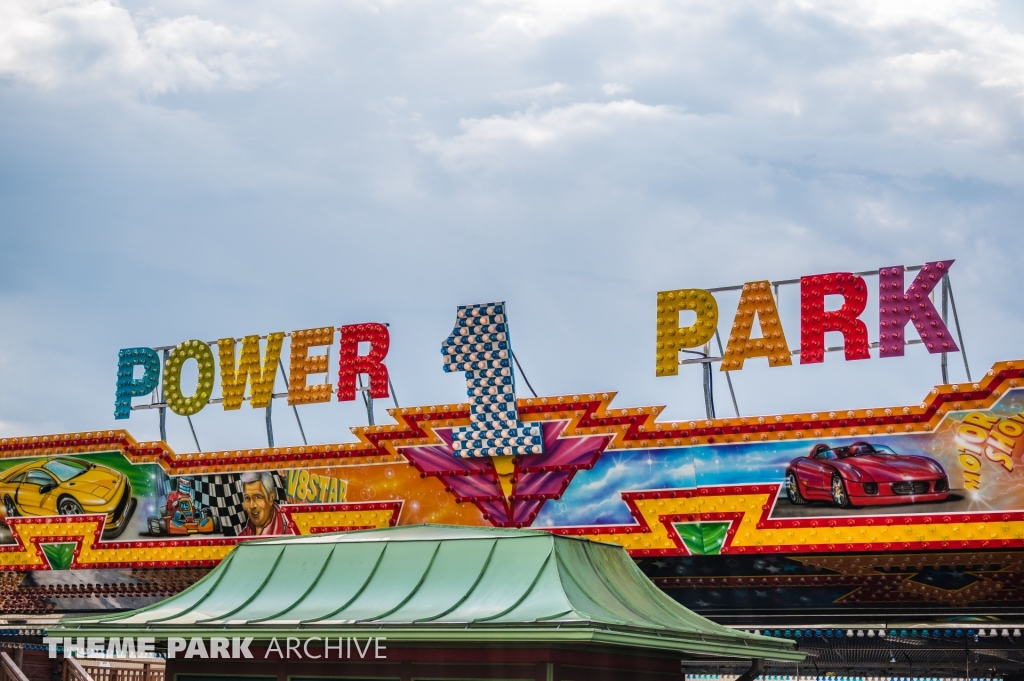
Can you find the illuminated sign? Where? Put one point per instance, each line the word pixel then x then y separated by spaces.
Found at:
pixel 898 307
pixel 256 369
pixel 939 474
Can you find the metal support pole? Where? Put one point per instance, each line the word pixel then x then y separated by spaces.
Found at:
pixel 284 375
pixel 302 432
pixel 270 424
pixel 192 428
pixel 728 375
pixel 367 399
pixel 956 320
pixel 163 410
pixel 523 374
pixel 391 386
pixel 709 389
pixel 270 409
pixel 945 314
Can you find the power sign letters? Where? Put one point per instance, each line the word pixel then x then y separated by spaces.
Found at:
pixel 255 368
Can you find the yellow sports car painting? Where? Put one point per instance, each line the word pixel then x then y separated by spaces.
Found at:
pixel 66 486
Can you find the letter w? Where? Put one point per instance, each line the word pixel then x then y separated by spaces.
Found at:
pixel 260 375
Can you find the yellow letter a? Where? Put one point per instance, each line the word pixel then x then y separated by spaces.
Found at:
pixel 260 375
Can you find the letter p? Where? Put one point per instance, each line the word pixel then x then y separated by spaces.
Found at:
pixel 175 645
pixel 671 338
pixel 127 385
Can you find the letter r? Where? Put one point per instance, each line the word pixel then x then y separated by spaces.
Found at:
pixel 815 321
pixel 352 363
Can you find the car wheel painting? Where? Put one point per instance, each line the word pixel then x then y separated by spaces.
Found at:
pixel 793 491
pixel 116 532
pixel 10 510
pixel 839 496
pixel 69 506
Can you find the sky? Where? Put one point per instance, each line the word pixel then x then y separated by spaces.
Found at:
pixel 196 170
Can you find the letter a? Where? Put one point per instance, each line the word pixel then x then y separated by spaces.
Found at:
pixel 757 305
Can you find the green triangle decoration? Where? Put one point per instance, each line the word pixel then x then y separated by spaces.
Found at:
pixel 703 539
pixel 59 555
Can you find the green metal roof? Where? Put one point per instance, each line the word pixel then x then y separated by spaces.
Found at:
pixel 434 583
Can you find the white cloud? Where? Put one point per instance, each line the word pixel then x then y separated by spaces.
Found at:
pixel 883 14
pixel 538 19
pixel 540 130
pixel 949 68
pixel 97 43
pixel 757 139
pixel 943 67
pixel 533 94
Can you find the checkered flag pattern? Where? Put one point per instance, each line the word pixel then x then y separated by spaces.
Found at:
pixel 480 347
pixel 223 495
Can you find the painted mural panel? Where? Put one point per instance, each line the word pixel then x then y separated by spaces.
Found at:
pixel 943 475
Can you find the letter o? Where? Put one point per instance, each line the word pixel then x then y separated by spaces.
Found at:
pixel 193 404
pixel 1010 428
pixel 970 463
pixel 971 433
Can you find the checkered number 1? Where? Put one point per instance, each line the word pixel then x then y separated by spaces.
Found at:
pixel 480 347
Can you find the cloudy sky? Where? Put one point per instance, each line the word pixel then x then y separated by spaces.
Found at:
pixel 178 170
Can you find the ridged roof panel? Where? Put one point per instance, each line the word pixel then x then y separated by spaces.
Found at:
pixel 428 579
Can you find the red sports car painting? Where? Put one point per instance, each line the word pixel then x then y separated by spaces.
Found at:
pixel 864 474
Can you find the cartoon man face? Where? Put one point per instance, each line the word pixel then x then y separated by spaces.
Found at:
pixel 258 505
